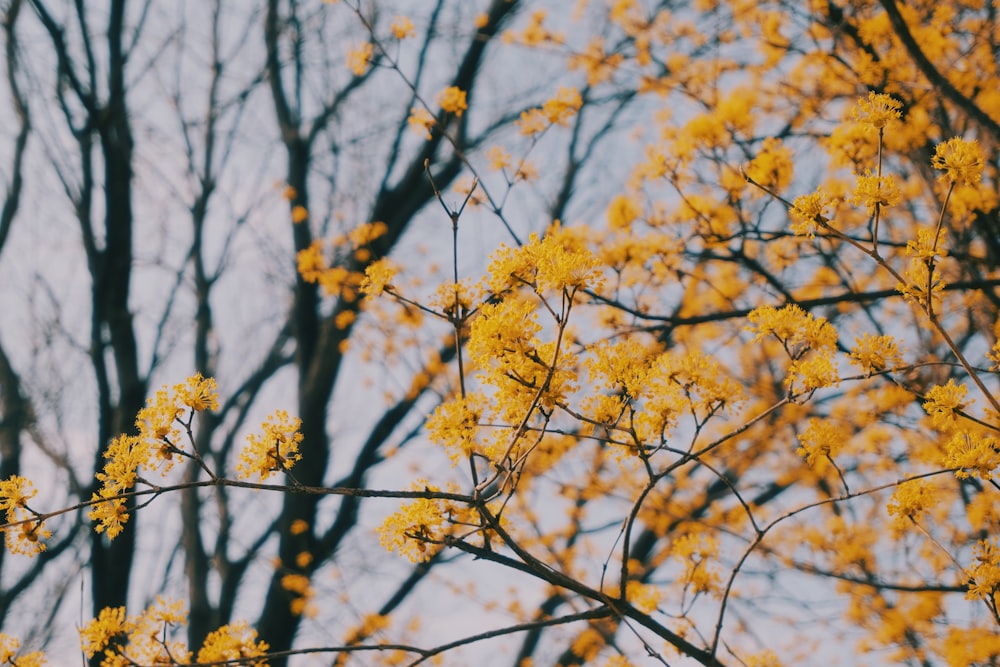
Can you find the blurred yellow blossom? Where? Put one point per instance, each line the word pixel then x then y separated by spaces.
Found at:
pixel 421 120
pixel 452 100
pixel 9 655
pixel 359 58
pixel 498 157
pixel 910 501
pixel 402 27
pixel 622 210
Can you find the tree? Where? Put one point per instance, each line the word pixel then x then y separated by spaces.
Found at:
pixel 698 360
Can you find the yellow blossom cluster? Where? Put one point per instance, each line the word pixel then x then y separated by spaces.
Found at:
pixel 544 264
pixel 28 530
pixel 158 441
pixel 452 100
pixel 960 160
pixel 643 597
pixel 455 424
pixel 359 58
pixel 417 528
pixel 303 594
pixel 421 121
pixel 655 388
pixel 984 574
pixel 809 211
pixel 10 655
pixel 334 277
pixel 874 354
pixel 402 27
pixel 911 501
pixel 773 166
pixel 944 402
pixel 622 212
pixel 145 639
pixel 596 61
pixel 877 110
pixel 809 342
pixel 276 450
pixel 874 191
pixel 535 32
pixel 821 440
pixel 697 553
pixel 558 110
pixel 378 277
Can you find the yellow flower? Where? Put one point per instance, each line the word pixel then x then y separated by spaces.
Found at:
pixel 695 552
pixel 532 122
pixel 875 191
pixel 821 439
pixel 961 160
pixel 15 492
pixel 596 62
pixel 972 451
pixel 455 424
pixel 808 211
pixel 421 120
pixel 198 393
pixel 378 277
pixel 109 512
pixel 299 214
pixel 559 109
pixel 773 166
pixel 794 327
pixel 877 110
pixel 945 401
pixel 452 100
pixel 622 211
pixel 927 246
pixel 277 449
pixel 875 353
pixel 311 262
pixel 9 656
pixel 359 58
pixel 525 171
pixel 97 634
pixel 416 529
pixel 303 592
pixel 984 575
pixel 498 157
pixel 402 27
pixel 642 596
pixel 910 501
pixel 157 420
pixel 235 641
pixel 535 33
